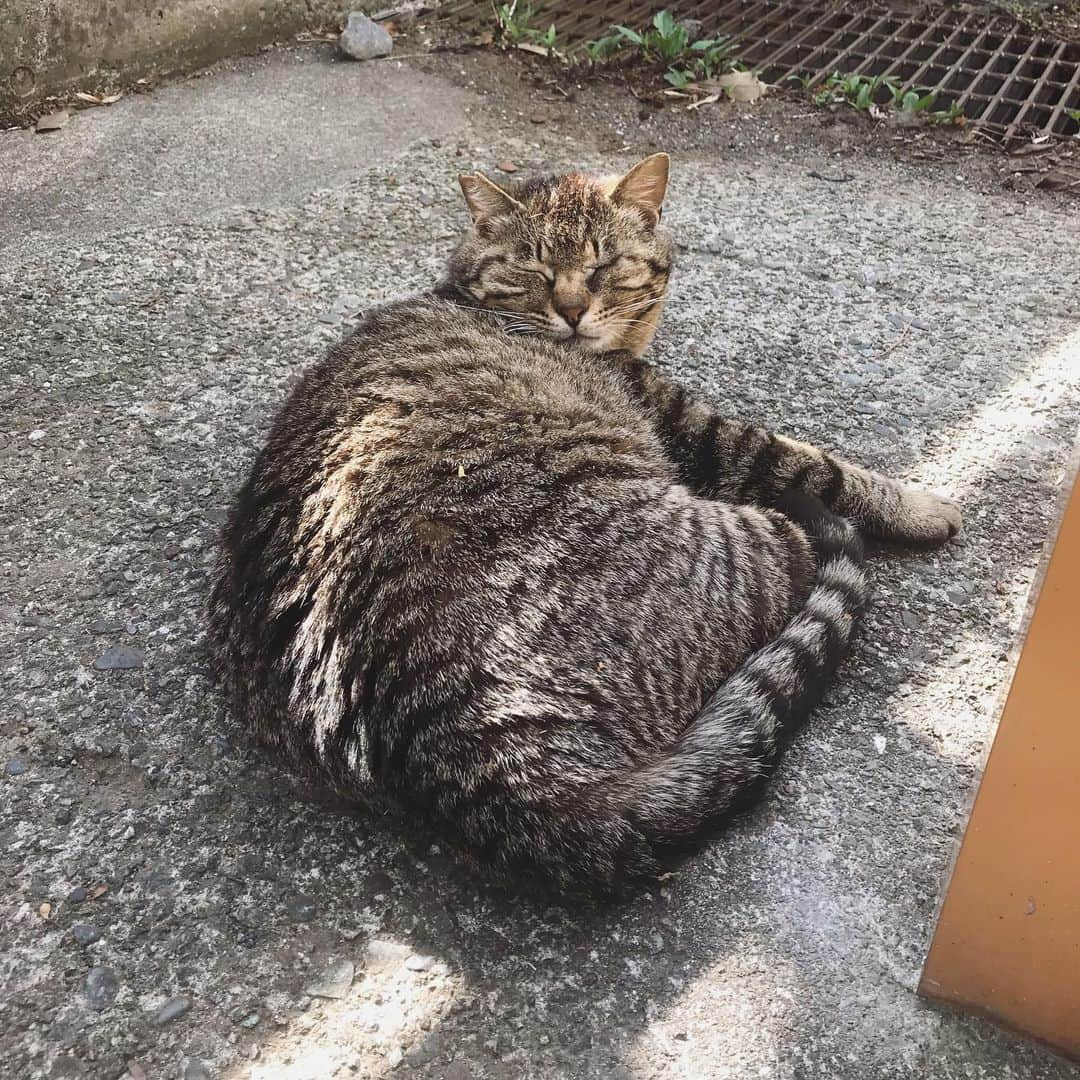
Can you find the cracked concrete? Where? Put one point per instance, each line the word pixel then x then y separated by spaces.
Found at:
pixel 167 268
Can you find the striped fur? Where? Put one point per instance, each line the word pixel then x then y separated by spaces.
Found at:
pixel 527 591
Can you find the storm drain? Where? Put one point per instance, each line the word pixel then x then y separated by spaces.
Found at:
pixel 993 69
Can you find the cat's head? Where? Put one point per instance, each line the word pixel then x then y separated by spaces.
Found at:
pixel 576 258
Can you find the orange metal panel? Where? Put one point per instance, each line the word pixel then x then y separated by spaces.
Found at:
pixel 1007 942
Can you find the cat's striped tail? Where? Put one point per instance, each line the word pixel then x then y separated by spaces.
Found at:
pixel 718 766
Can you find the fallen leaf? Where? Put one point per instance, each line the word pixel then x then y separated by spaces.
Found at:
pixel 110 99
pixel 486 38
pixel 93 99
pixel 52 121
pixel 507 166
pixel 461 470
pixel 703 101
pixel 390 27
pixel 1058 180
pixel 528 46
pixel 741 86
pixel 98 890
pixel 45 910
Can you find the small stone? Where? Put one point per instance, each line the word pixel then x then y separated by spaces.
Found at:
pixel 172 1010
pixel 880 742
pixel 395 1057
pixel 119 658
pixel 196 1070
pixel 363 39
pixel 335 981
pixel 102 986
pixel 16 767
pixel 251 1020
pixel 78 894
pixel 910 619
pixel 301 909
pixel 385 956
pixel 53 121
pixel 64 816
pixel 85 933
pixel 507 167
pixel 416 962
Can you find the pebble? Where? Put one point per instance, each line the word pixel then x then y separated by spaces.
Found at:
pixel 416 962
pixel 119 658
pixel 196 1070
pixel 363 39
pixel 301 909
pixel 335 982
pixel 78 894
pixel 85 933
pixel 16 767
pixel 910 619
pixel 102 986
pixel 383 956
pixel 172 1010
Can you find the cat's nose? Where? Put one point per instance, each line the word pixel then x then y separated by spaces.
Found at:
pixel 571 313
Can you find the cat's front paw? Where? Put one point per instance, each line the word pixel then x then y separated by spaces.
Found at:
pixel 923 518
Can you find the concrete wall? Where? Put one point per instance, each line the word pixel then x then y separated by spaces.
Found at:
pixel 55 46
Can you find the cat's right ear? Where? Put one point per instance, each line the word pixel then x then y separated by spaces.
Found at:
pixel 485 198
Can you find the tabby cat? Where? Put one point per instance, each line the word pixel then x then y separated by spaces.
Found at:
pixel 495 570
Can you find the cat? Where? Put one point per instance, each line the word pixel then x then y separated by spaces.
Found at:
pixel 495 570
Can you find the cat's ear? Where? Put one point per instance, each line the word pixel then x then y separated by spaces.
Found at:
pixel 485 198
pixel 643 187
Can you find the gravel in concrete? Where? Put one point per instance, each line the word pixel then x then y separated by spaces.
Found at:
pixel 145 340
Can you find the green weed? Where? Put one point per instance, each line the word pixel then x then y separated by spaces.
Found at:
pixel 666 41
pixel 515 25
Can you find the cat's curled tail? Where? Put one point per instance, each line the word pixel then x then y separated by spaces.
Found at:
pixel 619 831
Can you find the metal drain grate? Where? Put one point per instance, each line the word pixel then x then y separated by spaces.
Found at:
pixel 991 67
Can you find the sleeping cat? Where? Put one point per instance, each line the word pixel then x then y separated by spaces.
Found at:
pixel 496 571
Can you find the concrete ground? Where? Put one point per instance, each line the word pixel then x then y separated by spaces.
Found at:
pixel 170 900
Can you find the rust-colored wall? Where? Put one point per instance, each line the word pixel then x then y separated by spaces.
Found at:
pixel 1008 939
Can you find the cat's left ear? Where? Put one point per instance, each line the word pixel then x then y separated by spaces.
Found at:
pixel 644 186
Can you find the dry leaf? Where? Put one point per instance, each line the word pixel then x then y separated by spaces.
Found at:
pixel 741 86
pixel 45 910
pixel 1058 180
pixel 110 99
pixel 703 101
pixel 461 470
pixel 53 121
pixel 93 99
pixel 486 38
pixel 98 890
pixel 507 166
pixel 528 46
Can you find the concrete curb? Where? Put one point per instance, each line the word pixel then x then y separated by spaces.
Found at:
pixel 52 47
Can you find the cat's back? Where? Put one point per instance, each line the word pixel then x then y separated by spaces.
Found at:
pixel 426 393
